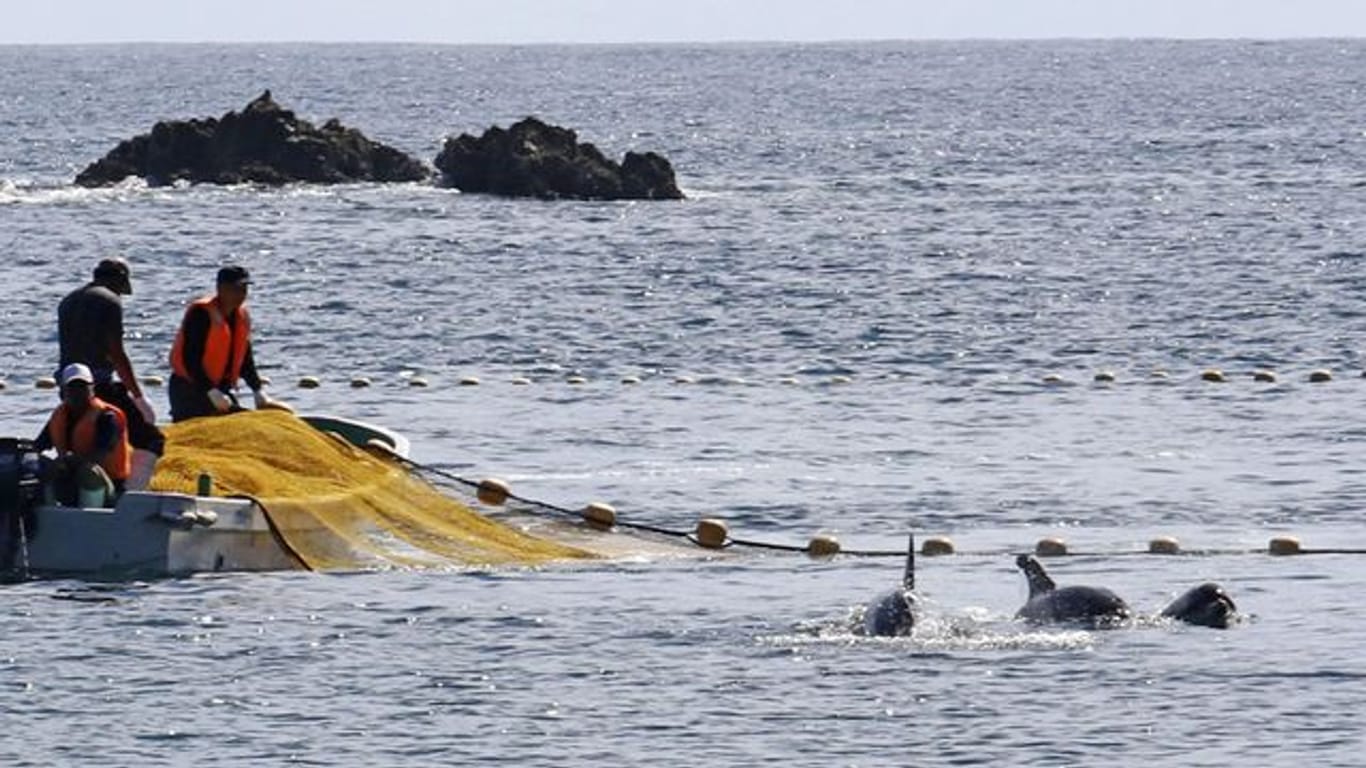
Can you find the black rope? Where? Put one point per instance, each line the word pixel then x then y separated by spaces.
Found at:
pixel 870 553
pixel 805 548
pixel 733 542
pixel 730 542
pixel 675 533
pixel 541 504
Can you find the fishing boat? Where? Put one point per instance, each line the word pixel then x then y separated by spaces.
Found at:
pixel 309 492
pixel 146 534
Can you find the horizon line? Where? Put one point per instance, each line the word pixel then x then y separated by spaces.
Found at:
pixel 717 42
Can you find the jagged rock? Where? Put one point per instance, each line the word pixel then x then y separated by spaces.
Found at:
pixel 534 159
pixel 263 144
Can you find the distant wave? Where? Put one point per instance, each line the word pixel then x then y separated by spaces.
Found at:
pixel 35 192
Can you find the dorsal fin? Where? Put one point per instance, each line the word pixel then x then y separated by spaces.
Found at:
pixel 1039 581
pixel 908 578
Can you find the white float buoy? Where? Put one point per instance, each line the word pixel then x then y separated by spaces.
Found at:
pixel 712 533
pixel 492 491
pixel 1320 375
pixel 45 382
pixel 684 380
pixel 1164 545
pixel 1105 377
pixel 1051 546
pixel 417 381
pixel 520 381
pixel 1213 375
pixel 935 546
pixel 309 382
pixel 630 380
pixel 469 381
pixel 823 545
pixel 360 382
pixel 575 381
pixel 1264 376
pixel 1284 545
pixel 1054 379
pixel 600 515
pixel 156 381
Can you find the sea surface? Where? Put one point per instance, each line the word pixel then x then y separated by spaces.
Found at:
pixel 881 310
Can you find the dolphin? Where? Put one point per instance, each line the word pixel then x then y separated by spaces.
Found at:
pixel 1049 603
pixel 892 614
pixel 1207 605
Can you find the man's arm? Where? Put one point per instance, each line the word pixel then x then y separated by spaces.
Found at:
pixel 44 439
pixel 249 374
pixel 112 326
pixel 124 366
pixel 107 435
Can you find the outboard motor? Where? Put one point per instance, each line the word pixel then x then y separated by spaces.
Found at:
pixel 20 489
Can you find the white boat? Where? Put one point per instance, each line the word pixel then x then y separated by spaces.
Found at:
pixel 145 534
pixel 148 535
pixel 158 534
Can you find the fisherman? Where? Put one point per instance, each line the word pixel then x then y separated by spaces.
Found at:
pixel 212 350
pixel 91 440
pixel 90 332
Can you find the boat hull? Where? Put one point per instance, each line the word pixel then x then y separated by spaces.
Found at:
pixel 147 535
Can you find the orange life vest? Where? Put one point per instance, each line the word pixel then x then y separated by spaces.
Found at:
pixel 116 463
pixel 224 349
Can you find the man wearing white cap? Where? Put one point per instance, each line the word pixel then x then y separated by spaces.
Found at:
pixel 90 437
pixel 90 332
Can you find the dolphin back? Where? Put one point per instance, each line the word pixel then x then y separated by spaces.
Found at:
pixel 1047 602
pixel 890 615
pixel 1084 604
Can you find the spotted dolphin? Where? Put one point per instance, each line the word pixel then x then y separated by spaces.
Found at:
pixel 1050 603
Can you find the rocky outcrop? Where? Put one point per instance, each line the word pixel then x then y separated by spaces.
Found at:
pixel 263 144
pixel 534 159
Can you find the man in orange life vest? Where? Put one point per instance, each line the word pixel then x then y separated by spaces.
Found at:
pixel 90 436
pixel 212 350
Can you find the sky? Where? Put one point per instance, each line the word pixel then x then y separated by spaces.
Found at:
pixel 647 21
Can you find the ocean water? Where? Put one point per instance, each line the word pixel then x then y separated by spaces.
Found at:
pixel 846 328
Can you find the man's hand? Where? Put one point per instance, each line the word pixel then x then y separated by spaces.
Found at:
pixel 220 400
pixel 262 400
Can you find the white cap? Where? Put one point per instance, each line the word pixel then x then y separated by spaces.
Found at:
pixel 77 372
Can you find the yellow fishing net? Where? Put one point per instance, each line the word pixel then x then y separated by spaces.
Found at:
pixel 336 506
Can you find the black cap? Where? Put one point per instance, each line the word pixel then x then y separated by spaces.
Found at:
pixel 234 275
pixel 114 272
